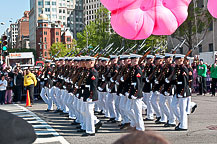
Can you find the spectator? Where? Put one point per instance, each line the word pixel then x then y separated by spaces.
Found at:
pixel 3 85
pixel 214 77
pixel 17 85
pixel 202 71
pixel 29 82
pixel 140 137
pixel 8 93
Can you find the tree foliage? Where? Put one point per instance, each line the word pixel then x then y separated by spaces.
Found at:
pixel 101 33
pixel 62 48
pixel 195 27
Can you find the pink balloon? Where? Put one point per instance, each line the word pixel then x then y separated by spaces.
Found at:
pixel 138 19
pixel 212 7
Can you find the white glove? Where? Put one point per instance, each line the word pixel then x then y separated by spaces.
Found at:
pixel 147 80
pixel 167 81
pixel 64 87
pixel 76 86
pixel 89 100
pixel 133 97
pixel 122 79
pixel 111 80
pixel 166 93
pixel 156 81
pixel 77 95
pixel 116 82
pixel 107 88
pixel 127 94
pixel 100 89
pixel 103 78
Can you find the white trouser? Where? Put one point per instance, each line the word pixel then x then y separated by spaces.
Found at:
pixel 155 104
pixel 43 95
pixel 150 111
pixel 79 108
pixel 130 112
pixel 167 112
pixel 110 102
pixel 83 112
pixel 101 101
pixel 179 106
pixel 117 110
pixel 122 105
pixel 190 105
pixel 50 100
pixel 89 120
pixel 137 108
pixel 64 100
pixel 58 95
pixel 77 113
pixel 70 106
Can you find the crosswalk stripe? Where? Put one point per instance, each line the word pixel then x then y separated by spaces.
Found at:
pixel 44 136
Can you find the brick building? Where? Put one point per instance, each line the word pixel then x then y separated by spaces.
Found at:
pixel 23 31
pixel 46 34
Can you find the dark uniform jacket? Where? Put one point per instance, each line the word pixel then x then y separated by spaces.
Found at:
pixel 147 71
pixel 136 84
pixel 90 90
pixel 181 81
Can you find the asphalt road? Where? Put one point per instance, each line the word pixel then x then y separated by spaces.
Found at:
pixel 202 126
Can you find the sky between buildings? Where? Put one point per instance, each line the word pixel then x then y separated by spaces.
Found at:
pixel 12 10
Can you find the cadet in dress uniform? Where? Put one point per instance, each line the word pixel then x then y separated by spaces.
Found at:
pixel 90 96
pixel 168 91
pixel 191 106
pixel 179 102
pixel 134 103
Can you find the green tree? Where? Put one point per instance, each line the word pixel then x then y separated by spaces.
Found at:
pixel 61 48
pixel 195 27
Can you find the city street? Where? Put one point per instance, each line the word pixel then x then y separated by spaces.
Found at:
pixel 53 128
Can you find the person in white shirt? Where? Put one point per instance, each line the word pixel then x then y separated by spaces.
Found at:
pixel 3 86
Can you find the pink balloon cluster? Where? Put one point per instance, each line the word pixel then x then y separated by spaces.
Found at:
pixel 138 19
pixel 212 7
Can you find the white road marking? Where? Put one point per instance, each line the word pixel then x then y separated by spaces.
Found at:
pixel 32 118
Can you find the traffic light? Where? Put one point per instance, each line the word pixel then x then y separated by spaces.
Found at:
pixel 4 43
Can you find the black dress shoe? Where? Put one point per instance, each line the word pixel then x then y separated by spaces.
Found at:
pixel 126 125
pixel 111 119
pixel 158 119
pixel 101 113
pixel 98 125
pixel 169 125
pixel 88 134
pixel 80 130
pixel 180 129
pixel 74 123
pixel 48 110
pixel 78 127
pixel 147 119
pixel 159 122
pixel 57 111
pixel 193 109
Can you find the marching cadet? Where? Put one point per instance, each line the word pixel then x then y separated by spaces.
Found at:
pixel 104 68
pixel 112 97
pixel 148 69
pixel 134 104
pixel 45 92
pixel 179 102
pixel 90 97
pixel 156 87
pixel 191 106
pixel 168 91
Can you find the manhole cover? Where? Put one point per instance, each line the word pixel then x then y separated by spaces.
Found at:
pixel 212 127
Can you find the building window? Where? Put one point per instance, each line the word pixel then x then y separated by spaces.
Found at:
pixel 40 39
pixel 47 2
pixel 45 33
pixel 57 40
pixel 68 39
pixel 200 48
pixel 40 3
pixel 57 33
pixel 54 3
pixel 45 54
pixel 60 11
pixel 211 47
pixel 45 46
pixel 40 46
pixel 54 10
pixel 211 27
pixel 64 11
pixel 47 9
pixel 45 39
